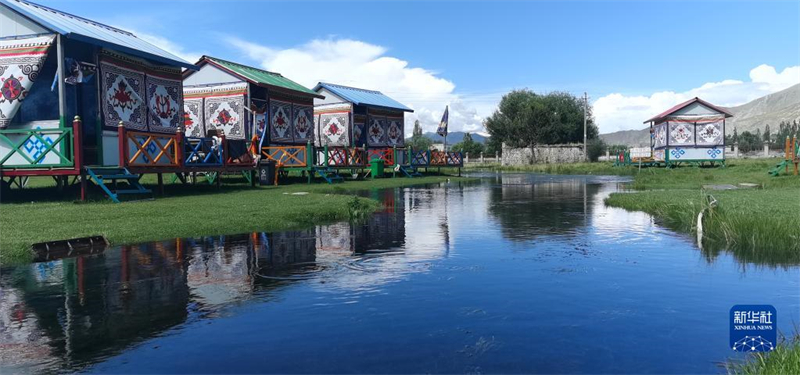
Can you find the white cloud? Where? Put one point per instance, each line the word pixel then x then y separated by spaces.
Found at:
pixel 169 46
pixel 616 111
pixel 359 64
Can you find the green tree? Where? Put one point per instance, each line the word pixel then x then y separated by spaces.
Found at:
pixel 417 129
pixel 493 146
pixel 524 119
pixel 749 141
pixel 767 136
pixel 418 140
pixel 594 148
pixel 468 146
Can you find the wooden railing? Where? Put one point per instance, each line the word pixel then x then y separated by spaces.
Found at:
pixel 420 158
pixel 449 158
pixel 343 157
pixel 150 150
pixel 203 152
pixel 288 156
pixel 38 148
pixel 385 154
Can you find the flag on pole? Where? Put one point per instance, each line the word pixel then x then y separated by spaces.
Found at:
pixel 442 130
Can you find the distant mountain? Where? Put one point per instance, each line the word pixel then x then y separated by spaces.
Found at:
pixel 769 109
pixel 454 137
pixel 632 138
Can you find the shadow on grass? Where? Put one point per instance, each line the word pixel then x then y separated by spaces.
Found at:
pixel 49 193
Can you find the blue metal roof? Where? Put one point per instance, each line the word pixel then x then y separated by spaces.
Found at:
pixel 88 31
pixel 363 97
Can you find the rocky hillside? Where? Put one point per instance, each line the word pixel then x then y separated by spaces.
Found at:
pixel 770 109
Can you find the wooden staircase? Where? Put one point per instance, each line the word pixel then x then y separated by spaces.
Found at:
pixel 328 174
pixel 410 171
pixel 101 176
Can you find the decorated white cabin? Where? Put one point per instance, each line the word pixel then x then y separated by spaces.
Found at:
pixel 693 131
pixel 241 100
pixel 56 67
pixel 350 116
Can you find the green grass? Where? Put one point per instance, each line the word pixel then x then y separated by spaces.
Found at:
pixel 758 225
pixel 574 168
pixel 785 359
pixel 39 213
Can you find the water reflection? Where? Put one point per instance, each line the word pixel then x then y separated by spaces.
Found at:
pixel 526 210
pixel 96 304
pixel 462 270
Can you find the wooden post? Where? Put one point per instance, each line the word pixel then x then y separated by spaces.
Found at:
pixel 788 154
pixel 78 153
pixel 160 184
pixel 224 147
pixel 60 76
pixel 77 143
pixel 121 144
pixel 179 146
pixel 795 155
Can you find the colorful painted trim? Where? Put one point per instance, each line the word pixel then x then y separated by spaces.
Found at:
pixel 20 63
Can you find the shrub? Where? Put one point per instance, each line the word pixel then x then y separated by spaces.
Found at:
pixel 594 148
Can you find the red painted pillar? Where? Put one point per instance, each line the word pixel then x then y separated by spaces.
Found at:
pixel 77 142
pixel 121 143
pixel 179 148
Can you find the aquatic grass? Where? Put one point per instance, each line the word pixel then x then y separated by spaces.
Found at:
pixel 736 171
pixel 759 226
pixel 785 359
pixel 573 168
pixel 40 213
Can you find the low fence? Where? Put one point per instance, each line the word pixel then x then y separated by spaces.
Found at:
pixel 37 148
pixel 482 158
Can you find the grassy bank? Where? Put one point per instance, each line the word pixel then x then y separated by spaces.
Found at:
pixel 575 168
pixel 758 225
pixel 785 359
pixel 39 213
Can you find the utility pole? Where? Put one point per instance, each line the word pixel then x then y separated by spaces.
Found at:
pixel 585 105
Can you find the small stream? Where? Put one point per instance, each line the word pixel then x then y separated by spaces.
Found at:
pixel 514 273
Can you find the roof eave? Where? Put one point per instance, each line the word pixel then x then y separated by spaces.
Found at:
pixel 356 102
pixel 662 116
pixel 131 51
pixel 279 88
pixel 33 17
pixel 102 43
pixel 405 109
pixel 210 60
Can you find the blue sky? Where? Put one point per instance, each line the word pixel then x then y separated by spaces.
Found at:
pixel 632 57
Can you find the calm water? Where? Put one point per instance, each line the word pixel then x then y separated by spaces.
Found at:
pixel 514 273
